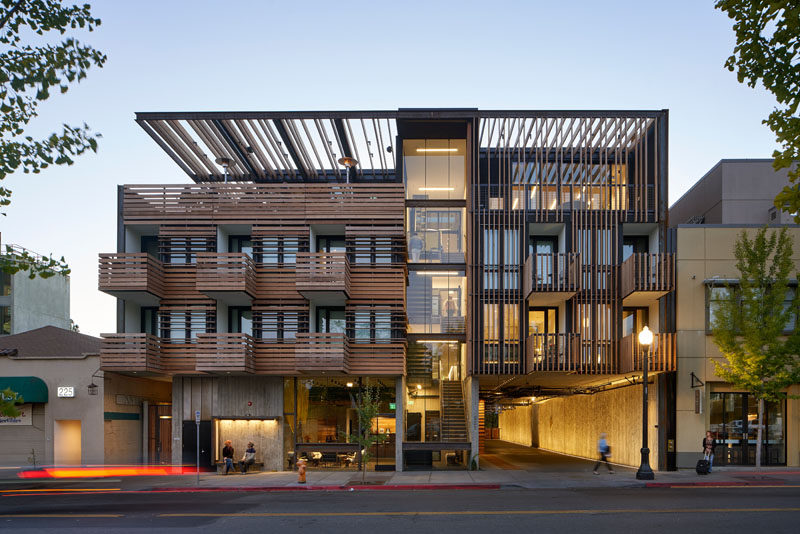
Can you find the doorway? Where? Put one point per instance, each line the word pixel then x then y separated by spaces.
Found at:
pixel 159 434
pixel 67 442
pixel 734 424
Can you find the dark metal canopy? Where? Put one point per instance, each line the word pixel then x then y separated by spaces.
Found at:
pixel 306 146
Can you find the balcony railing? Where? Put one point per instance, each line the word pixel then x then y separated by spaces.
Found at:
pixel 224 353
pixel 139 353
pixel 662 353
pixel 322 272
pixel 648 273
pixel 322 353
pixel 219 272
pixel 131 272
pixel 552 273
pixel 553 352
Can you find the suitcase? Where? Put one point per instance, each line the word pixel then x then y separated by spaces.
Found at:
pixel 702 467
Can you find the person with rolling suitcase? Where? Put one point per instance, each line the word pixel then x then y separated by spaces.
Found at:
pixel 704 465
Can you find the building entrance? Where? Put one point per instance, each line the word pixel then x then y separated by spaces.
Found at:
pixel 159 434
pixel 734 424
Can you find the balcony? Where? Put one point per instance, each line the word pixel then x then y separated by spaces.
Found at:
pixel 662 354
pixel 323 277
pixel 553 352
pixel 229 277
pixel 645 278
pixel 137 277
pixel 550 279
pixel 130 353
pixel 225 354
pixel 320 353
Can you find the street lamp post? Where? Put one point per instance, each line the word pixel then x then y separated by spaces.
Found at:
pixel 645 472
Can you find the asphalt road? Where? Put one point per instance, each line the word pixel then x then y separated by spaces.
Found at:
pixel 654 510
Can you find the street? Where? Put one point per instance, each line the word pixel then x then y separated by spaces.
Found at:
pixel 773 509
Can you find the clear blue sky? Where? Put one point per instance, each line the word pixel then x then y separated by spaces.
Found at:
pixel 194 55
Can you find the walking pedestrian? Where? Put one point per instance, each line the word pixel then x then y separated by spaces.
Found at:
pixel 227 456
pixel 709 444
pixel 249 457
pixel 604 449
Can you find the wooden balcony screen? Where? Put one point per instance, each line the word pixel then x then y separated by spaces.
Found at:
pixel 556 273
pixel 224 353
pixel 553 352
pixel 322 353
pixel 648 272
pixel 131 272
pixel 140 353
pixel 220 271
pixel 254 203
pixel 323 271
pixel 662 353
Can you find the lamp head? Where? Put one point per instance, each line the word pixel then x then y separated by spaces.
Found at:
pixel 646 336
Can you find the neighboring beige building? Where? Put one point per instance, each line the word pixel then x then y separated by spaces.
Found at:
pixel 733 196
pixel 71 414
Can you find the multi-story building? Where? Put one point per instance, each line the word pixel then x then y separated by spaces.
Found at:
pixel 734 196
pixel 456 258
pixel 28 303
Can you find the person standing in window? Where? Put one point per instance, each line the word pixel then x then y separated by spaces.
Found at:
pixel 415 245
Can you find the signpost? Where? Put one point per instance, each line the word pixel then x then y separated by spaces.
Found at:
pixel 197 434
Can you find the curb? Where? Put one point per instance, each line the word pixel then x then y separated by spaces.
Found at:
pixel 392 487
pixel 720 484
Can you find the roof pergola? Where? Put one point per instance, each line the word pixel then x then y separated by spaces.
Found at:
pixel 306 146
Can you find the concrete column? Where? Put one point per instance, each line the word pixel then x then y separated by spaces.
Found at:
pixel 177 421
pixel 400 423
pixel 471 394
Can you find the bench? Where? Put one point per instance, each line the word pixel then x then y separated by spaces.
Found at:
pixel 237 466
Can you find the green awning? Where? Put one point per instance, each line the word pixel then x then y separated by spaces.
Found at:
pixel 31 388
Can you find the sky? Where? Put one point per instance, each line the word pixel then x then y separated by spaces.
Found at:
pixel 237 55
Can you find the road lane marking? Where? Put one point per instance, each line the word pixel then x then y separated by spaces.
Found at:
pixel 480 512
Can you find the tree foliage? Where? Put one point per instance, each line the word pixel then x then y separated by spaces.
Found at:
pixel 28 74
pixel 8 401
pixel 749 326
pixel 768 51
pixel 367 406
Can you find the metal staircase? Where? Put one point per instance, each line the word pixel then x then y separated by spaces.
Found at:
pixel 454 421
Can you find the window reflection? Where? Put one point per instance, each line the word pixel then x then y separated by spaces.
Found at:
pixel 434 168
pixel 436 235
pixel 437 301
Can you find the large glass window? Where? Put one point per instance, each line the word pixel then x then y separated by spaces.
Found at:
pixel 434 168
pixel 436 235
pixel 240 243
pixel 437 302
pixel 274 250
pixel 633 320
pixel 149 321
pixel 543 321
pixel 331 320
pixel 182 326
pixel 279 325
pixel 734 423
pixel 240 320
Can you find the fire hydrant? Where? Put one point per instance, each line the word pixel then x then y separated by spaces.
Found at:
pixel 301 471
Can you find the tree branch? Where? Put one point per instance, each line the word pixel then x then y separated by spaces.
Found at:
pixel 11 13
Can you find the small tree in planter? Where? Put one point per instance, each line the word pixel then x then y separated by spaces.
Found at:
pixel 367 405
pixel 750 324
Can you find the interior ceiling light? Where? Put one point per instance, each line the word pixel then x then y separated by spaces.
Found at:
pixel 437 150
pixel 437 188
pixel 439 273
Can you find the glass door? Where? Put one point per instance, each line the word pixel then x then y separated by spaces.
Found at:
pixel 734 424
pixel 331 320
pixel 544 247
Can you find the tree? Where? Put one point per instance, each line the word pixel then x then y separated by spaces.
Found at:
pixel 768 51
pixel 27 74
pixel 749 325
pixel 367 404
pixel 8 401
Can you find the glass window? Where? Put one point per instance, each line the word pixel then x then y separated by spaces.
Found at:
pixel 5 284
pixel 240 320
pixel 633 244
pixel 278 250
pixel 179 250
pixel 149 321
pixel 633 320
pixel 149 244
pixel 437 301
pixel 182 326
pixel 5 320
pixel 240 243
pixel 734 424
pixel 331 243
pixel 714 295
pixel 331 320
pixel 434 168
pixel 274 325
pixel 788 301
pixel 436 235
pixel 542 321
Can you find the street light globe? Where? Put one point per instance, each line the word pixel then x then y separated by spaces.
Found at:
pixel 646 337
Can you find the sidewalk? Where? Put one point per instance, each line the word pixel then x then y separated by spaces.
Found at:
pixel 489 479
